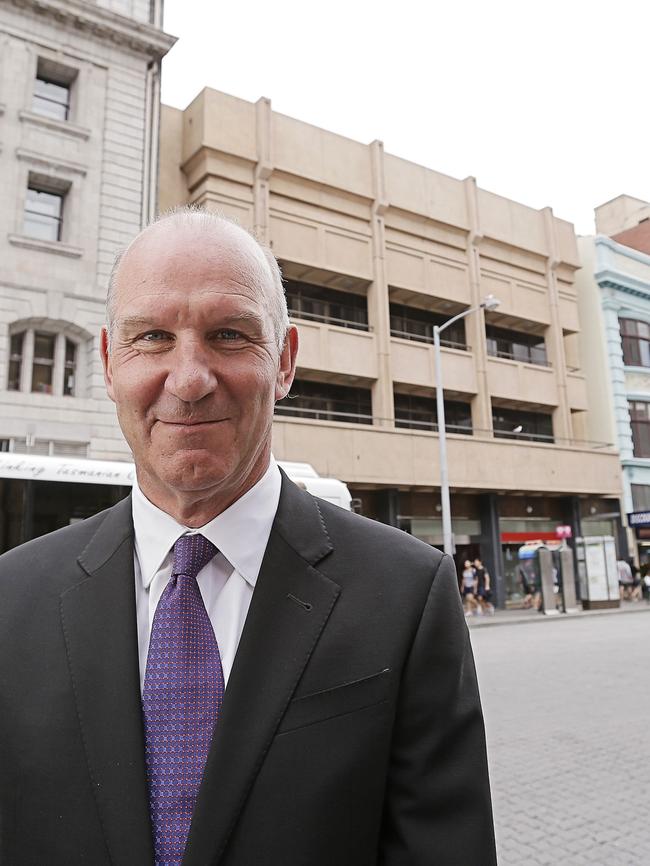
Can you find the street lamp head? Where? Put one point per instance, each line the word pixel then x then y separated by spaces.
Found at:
pixel 490 302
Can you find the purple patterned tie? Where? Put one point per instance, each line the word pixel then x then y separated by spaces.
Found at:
pixel 181 699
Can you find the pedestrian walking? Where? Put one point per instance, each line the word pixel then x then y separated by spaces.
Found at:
pixel 482 590
pixel 468 590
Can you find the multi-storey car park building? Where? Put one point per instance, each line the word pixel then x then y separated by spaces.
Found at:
pixel 79 120
pixel 375 250
pixel 614 306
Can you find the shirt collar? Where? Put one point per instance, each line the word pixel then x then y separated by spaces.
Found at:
pixel 240 533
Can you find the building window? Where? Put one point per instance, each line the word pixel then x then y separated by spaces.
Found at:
pixel 636 342
pixel 324 401
pixel 52 89
pixel 43 362
pixel 45 447
pixel 15 361
pixel 640 497
pixel 316 303
pixel 640 418
pixel 43 365
pixel 421 413
pixel 529 348
pixel 43 213
pixel 411 323
pixel 51 99
pixel 513 424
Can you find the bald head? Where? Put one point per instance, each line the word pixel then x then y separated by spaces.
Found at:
pixel 213 237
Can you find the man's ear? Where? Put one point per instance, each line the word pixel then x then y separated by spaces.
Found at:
pixel 106 362
pixel 287 368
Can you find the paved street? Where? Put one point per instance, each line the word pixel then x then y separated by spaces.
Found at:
pixel 567 706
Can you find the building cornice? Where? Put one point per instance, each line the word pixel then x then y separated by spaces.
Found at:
pixel 622 250
pixel 625 283
pixel 609 274
pixel 635 462
pixel 103 24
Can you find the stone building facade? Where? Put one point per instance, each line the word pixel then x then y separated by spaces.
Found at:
pixel 79 121
pixel 375 250
pixel 614 302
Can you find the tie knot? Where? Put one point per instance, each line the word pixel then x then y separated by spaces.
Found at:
pixel 191 554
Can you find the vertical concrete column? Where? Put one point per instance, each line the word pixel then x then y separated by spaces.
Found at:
pixel 572 516
pixel 475 324
pixel 263 169
pixel 562 427
pixel 378 301
pixel 491 550
pixel 388 506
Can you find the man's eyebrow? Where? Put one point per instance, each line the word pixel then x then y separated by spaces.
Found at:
pixel 134 321
pixel 148 322
pixel 244 316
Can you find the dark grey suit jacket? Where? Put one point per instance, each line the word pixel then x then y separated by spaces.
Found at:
pixel 351 732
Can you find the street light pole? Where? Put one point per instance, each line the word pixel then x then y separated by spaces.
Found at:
pixel 489 303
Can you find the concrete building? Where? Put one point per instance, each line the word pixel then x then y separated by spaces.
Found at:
pixel 375 251
pixel 614 307
pixel 79 121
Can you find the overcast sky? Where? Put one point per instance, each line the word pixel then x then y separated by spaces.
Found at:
pixel 545 103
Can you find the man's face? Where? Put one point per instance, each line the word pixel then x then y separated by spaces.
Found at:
pixel 193 366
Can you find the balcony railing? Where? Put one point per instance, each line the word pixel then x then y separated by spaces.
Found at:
pixel 329 320
pixel 416 424
pixel 527 437
pixel 432 427
pixel 323 414
pixel 425 338
pixel 523 357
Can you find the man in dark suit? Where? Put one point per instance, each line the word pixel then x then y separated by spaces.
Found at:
pixel 222 669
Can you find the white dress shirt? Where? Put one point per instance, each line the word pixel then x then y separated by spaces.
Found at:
pixel 240 534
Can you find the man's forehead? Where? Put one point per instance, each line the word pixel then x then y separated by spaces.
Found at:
pixel 192 260
pixel 169 303
pixel 221 245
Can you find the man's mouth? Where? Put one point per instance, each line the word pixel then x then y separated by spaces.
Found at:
pixel 187 422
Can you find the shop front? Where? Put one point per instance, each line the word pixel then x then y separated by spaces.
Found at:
pixel 521 565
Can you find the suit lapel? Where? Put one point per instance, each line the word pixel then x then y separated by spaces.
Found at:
pixel 99 624
pixel 290 606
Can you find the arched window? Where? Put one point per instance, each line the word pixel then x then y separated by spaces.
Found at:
pixel 45 358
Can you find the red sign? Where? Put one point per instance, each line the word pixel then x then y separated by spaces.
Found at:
pixel 523 537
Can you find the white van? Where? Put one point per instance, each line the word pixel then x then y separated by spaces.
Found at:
pixel 108 474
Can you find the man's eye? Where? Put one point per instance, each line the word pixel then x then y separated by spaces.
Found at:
pixel 228 334
pixel 154 336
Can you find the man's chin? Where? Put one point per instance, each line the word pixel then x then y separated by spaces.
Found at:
pixel 194 470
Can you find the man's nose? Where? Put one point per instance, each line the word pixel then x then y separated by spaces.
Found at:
pixel 191 375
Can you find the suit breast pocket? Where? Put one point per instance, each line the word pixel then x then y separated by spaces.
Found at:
pixel 337 701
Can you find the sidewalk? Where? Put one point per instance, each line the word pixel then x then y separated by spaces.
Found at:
pixel 522 617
